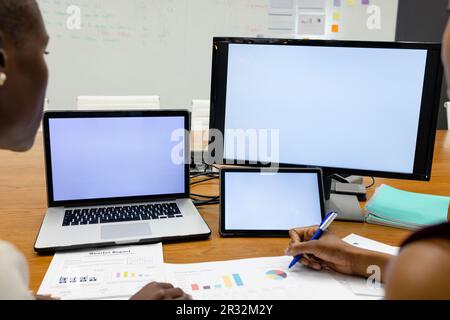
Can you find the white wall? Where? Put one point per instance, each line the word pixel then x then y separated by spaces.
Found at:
pixel 162 47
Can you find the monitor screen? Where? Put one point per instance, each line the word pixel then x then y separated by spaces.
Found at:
pixel 341 106
pixel 279 201
pixel 114 157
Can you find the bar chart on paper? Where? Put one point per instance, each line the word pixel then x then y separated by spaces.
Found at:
pixel 131 275
pixel 254 279
pixel 226 282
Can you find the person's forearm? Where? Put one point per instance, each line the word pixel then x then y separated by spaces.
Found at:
pixel 366 262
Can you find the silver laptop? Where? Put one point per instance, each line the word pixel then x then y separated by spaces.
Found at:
pixel 116 178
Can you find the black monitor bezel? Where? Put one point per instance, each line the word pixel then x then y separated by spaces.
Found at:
pixel 263 233
pixel 428 115
pixel 111 114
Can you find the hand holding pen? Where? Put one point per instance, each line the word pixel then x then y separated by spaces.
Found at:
pixel 323 227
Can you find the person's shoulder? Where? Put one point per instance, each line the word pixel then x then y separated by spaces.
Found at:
pixel 7 248
pixel 10 255
pixel 13 273
pixel 420 271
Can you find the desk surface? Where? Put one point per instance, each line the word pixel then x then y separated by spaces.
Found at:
pixel 23 205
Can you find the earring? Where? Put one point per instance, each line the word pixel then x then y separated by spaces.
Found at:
pixel 3 79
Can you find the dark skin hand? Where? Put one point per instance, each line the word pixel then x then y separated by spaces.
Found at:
pixel 333 253
pixel 152 291
pixel 160 291
pixel 404 277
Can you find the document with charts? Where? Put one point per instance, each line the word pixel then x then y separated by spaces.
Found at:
pixel 119 272
pixel 256 279
pixel 110 273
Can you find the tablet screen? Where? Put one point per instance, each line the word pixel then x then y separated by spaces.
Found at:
pixel 277 202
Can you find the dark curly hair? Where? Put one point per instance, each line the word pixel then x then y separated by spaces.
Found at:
pixel 17 18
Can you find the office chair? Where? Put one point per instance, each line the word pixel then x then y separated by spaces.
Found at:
pixel 200 126
pixel 118 103
pixel 200 115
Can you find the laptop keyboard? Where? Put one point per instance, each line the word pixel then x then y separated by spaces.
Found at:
pixel 76 217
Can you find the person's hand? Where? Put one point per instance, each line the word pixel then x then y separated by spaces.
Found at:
pixel 160 291
pixel 327 252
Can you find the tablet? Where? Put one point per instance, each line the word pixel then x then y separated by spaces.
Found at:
pixel 268 203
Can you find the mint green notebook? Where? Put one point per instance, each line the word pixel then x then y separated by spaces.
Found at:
pixel 386 222
pixel 402 208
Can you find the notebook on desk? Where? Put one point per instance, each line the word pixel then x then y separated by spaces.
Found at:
pixel 407 210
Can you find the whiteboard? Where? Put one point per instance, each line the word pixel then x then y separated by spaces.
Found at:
pixel 163 47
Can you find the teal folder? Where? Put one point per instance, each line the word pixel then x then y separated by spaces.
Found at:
pixel 402 209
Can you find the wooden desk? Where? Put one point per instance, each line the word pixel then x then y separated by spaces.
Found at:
pixel 23 204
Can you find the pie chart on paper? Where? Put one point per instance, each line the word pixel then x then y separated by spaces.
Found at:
pixel 276 275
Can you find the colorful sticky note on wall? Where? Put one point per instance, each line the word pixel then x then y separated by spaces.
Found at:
pixel 351 3
pixel 337 3
pixel 366 2
pixel 336 15
pixel 335 28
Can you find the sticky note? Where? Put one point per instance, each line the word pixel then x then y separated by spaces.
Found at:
pixel 336 15
pixel 351 3
pixel 335 28
pixel 337 3
pixel 366 2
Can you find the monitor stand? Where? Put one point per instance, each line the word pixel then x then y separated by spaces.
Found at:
pixel 197 165
pixel 347 206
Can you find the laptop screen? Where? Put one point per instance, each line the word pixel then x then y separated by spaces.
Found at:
pixel 116 157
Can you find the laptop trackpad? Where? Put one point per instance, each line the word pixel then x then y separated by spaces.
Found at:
pixel 135 230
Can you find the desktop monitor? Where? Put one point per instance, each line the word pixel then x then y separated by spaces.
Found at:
pixel 365 108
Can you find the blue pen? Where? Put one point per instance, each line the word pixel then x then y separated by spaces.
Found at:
pixel 323 226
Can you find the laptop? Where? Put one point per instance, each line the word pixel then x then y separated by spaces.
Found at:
pixel 117 178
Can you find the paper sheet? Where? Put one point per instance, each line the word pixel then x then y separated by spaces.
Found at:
pixel 119 272
pixel 111 273
pixel 311 5
pixel 361 286
pixel 281 17
pixel 368 244
pixel 311 16
pixel 256 279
